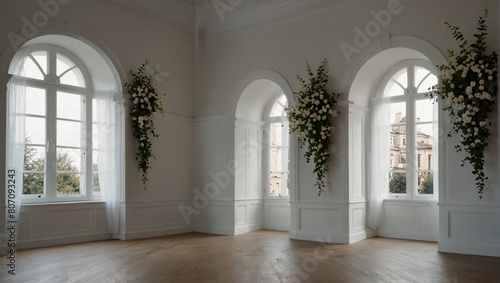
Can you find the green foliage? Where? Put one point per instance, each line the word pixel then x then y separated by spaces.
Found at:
pixel 310 116
pixel 146 102
pixel 428 185
pixel 33 183
pixel 469 85
pixel 67 183
pixel 397 184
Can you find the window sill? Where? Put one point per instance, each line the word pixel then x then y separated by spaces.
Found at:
pixel 25 203
pixel 431 201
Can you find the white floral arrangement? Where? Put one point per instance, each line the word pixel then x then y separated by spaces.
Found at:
pixel 469 85
pixel 310 116
pixel 146 103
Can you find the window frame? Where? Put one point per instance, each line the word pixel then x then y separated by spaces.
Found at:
pixel 52 85
pixel 410 98
pixel 267 167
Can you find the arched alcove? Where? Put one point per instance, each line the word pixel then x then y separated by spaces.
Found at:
pixel 105 77
pixel 361 82
pixel 251 105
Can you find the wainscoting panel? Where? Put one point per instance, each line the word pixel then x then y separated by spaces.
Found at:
pixel 357 230
pixel 216 218
pixel 156 218
pixel 410 220
pixel 470 229
pixel 248 215
pixel 64 223
pixel 277 214
pixel 323 222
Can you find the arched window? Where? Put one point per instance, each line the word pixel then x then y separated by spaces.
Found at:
pixel 60 132
pixel 413 129
pixel 279 149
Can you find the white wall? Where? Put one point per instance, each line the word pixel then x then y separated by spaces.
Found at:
pixel 285 47
pixel 197 139
pixel 127 37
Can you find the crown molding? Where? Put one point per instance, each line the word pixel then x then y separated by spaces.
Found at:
pixel 176 12
pixel 263 16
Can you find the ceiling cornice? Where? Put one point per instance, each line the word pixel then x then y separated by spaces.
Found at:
pixel 263 16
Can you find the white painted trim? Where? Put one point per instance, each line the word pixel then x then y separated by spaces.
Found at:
pixel 409 235
pixel 263 16
pixel 356 237
pixel 277 227
pixel 64 240
pixel 470 249
pixel 151 233
pixel 321 237
pixel 241 229
pixel 213 229
pixel 262 74
pixel 417 44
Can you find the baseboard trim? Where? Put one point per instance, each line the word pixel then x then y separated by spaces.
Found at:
pixel 248 228
pixel 215 230
pixel 409 235
pixel 464 248
pixel 353 238
pixel 277 227
pixel 152 233
pixel 326 238
pixel 65 240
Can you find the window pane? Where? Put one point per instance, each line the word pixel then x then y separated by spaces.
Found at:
pixel 63 64
pixel 33 183
pixel 35 130
pixel 398 149
pixel 35 101
pixel 68 184
pixel 424 110
pixel 69 160
pixel 397 84
pixel 95 160
pixel 278 108
pixel 398 113
pixel 95 182
pixel 426 186
pixel 279 184
pixel 69 133
pixel 397 183
pixel 41 59
pixel 70 106
pixel 73 77
pixel 276 160
pixel 424 136
pixel 276 134
pixel 424 79
pixel 34 158
pixel 31 70
pixel 68 73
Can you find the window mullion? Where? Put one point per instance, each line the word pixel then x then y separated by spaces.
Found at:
pixel 88 146
pixel 51 184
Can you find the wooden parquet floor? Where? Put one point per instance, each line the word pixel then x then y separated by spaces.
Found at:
pixel 261 256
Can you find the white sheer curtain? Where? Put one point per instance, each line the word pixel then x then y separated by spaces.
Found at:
pixel 110 121
pixel 379 159
pixel 15 133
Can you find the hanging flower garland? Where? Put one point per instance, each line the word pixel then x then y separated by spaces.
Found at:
pixel 310 116
pixel 469 85
pixel 146 102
